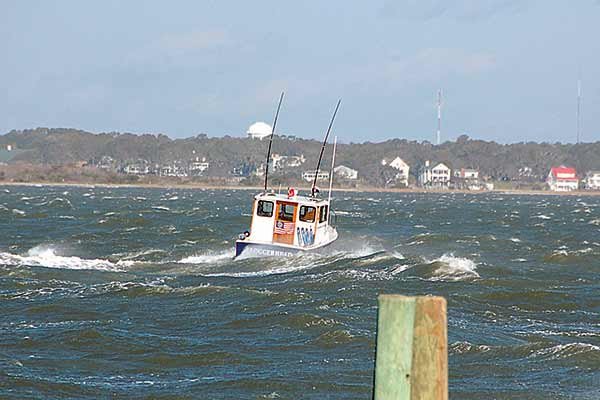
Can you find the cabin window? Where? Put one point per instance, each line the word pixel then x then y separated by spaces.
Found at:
pixel 323 214
pixel 286 212
pixel 264 208
pixel 307 214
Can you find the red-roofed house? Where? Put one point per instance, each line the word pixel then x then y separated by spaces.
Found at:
pixel 563 179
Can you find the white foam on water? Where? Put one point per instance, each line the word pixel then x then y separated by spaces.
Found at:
pixel 18 212
pixel 364 251
pixel 41 256
pixel 562 351
pixel 454 269
pixel 208 258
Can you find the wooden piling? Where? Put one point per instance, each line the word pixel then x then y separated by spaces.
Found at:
pixel 412 349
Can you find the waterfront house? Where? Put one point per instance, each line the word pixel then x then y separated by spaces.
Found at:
pixel 592 180
pixel 309 176
pixel 437 177
pixel 344 172
pixel 197 166
pixel 562 179
pixel 467 179
pixel 139 167
pixel 174 169
pixel 282 162
pixel 401 167
pixel 466 173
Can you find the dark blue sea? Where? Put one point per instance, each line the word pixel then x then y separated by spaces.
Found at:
pixel 133 293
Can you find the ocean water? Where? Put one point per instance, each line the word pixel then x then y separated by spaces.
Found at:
pixel 133 293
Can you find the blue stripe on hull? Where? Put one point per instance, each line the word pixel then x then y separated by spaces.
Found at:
pixel 263 250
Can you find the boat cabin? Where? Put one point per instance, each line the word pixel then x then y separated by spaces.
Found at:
pixel 297 221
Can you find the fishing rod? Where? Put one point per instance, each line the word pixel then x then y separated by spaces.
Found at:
pixel 271 141
pixel 314 185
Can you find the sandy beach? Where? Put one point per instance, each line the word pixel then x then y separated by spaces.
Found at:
pixel 301 189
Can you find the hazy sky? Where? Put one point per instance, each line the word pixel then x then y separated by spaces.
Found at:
pixel 508 68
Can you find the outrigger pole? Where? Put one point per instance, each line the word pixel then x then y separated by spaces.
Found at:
pixel 314 185
pixel 271 141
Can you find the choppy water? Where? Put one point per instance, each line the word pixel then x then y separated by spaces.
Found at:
pixel 132 293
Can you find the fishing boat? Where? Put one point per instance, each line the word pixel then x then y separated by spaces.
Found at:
pixel 287 224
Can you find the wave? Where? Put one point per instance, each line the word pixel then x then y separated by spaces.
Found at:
pixel 60 202
pixel 451 268
pixel 567 256
pixel 466 348
pixel 564 351
pixel 541 216
pixel 41 256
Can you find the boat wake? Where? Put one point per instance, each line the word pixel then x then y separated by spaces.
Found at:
pixel 209 257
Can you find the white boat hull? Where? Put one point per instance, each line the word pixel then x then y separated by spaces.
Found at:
pixel 248 248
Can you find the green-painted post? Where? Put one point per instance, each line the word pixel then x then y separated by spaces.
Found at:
pixel 412 349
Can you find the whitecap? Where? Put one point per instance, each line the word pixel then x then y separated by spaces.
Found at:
pixel 453 268
pixel 562 351
pixel 42 256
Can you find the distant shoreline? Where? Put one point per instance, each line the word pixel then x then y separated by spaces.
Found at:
pixel 259 188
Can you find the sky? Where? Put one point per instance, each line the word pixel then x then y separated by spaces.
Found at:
pixel 508 69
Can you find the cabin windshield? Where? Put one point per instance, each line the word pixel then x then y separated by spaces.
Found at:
pixel 286 212
pixel 264 208
pixel 307 214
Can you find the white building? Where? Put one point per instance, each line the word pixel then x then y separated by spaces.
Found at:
pixel 173 170
pixel 562 179
pixel 197 166
pixel 434 177
pixel 281 162
pixel 259 130
pixel 345 172
pixel 260 170
pixel 592 180
pixel 402 168
pixel 140 167
pixel 309 176
pixel 466 173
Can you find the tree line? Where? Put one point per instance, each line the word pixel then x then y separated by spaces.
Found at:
pixel 525 161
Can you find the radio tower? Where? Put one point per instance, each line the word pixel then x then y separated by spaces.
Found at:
pixel 578 109
pixel 439 121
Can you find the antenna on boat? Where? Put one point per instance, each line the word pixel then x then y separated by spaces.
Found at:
pixel 271 141
pixel 331 172
pixel 314 185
